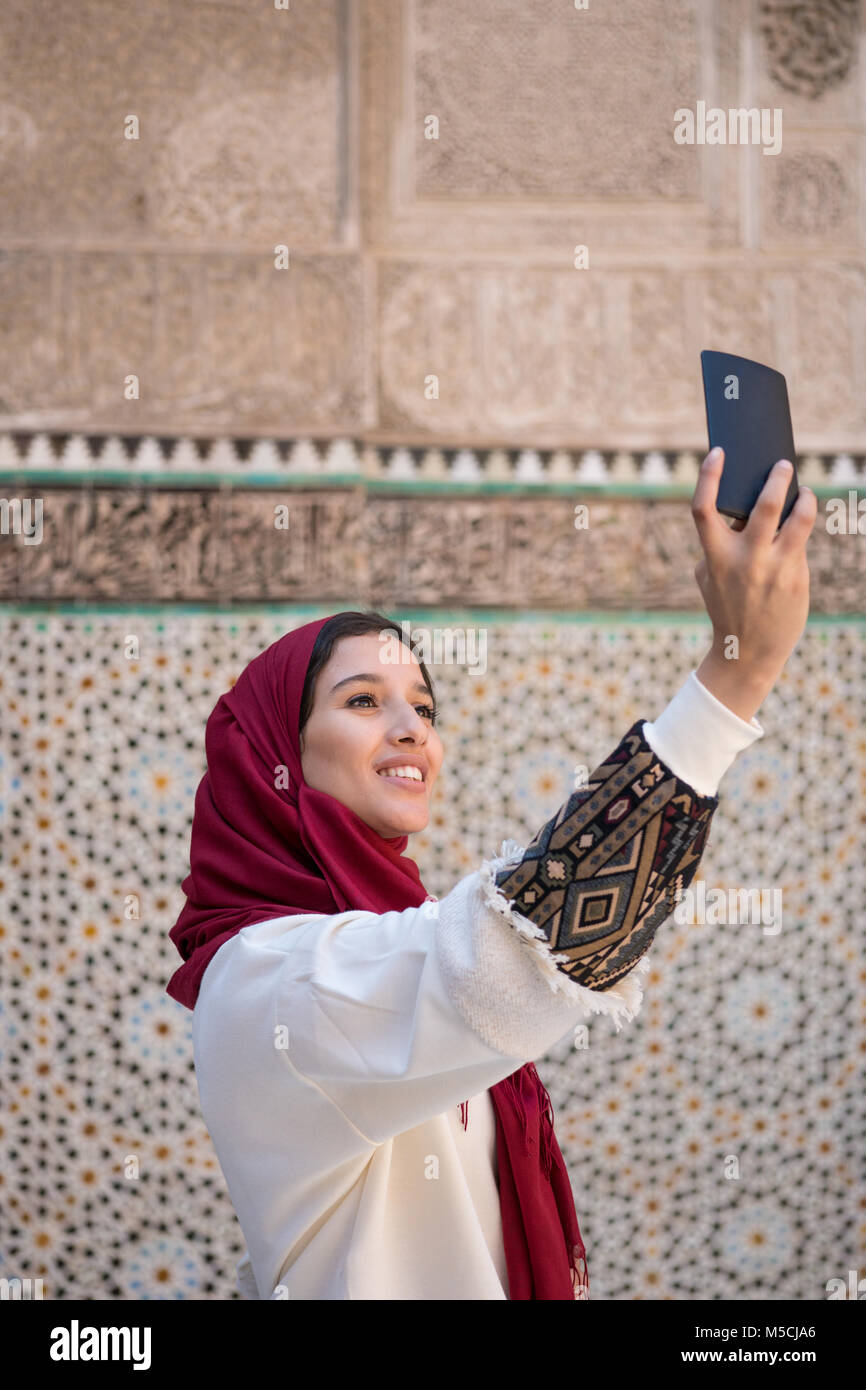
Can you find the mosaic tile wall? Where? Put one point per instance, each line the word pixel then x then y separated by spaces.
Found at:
pixel 748 1044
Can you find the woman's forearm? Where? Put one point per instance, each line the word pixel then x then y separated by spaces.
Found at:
pixel 734 684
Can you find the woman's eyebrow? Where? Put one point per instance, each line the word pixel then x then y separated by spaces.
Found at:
pixel 376 680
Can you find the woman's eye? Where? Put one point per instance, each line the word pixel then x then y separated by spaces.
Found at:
pixel 429 710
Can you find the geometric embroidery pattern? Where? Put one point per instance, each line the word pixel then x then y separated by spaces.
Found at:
pixel 607 869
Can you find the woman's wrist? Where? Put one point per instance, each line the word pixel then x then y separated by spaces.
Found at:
pixel 739 687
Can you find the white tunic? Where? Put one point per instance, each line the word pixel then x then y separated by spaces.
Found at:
pixel 332 1054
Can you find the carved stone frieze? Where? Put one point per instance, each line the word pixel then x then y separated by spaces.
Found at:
pixel 360 546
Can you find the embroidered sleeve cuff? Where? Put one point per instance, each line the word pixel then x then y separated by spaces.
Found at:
pixel 502 976
pixel 698 737
pixel 621 1003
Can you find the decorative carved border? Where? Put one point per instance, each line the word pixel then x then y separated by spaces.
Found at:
pixel 361 545
pixel 181 458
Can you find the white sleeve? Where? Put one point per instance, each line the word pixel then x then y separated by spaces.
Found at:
pixel 400 1016
pixel 698 737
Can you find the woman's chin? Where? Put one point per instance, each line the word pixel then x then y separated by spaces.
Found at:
pixel 407 824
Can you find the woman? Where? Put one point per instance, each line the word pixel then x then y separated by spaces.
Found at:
pixel 347 1025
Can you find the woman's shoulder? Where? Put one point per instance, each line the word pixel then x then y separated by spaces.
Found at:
pixel 252 959
pixel 243 954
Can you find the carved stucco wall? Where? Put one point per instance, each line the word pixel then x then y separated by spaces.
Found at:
pixel 409 256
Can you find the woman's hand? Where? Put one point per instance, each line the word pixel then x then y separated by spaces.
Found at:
pixel 755 584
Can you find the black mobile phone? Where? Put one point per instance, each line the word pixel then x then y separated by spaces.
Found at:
pixel 749 416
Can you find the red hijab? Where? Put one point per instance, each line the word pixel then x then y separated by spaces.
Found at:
pixel 265 845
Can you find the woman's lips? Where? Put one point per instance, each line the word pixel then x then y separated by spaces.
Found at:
pixel 409 784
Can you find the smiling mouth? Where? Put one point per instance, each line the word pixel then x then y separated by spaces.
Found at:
pixel 410 783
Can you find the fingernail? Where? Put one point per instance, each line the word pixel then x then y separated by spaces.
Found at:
pixel 714 454
pixel 785 466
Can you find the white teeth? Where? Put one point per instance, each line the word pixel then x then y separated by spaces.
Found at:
pixel 414 772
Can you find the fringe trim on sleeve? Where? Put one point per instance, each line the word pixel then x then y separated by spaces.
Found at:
pixel 621 1003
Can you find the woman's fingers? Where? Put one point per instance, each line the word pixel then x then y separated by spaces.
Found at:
pixel 706 516
pixel 797 528
pixel 763 521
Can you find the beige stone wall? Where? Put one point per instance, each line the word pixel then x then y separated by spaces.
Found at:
pixel 410 257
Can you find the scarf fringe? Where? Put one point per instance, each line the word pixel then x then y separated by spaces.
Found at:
pixel 515 1085
pixel 523 1088
pixel 579 1273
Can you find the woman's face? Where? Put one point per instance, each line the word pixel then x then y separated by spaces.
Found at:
pixel 367 712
